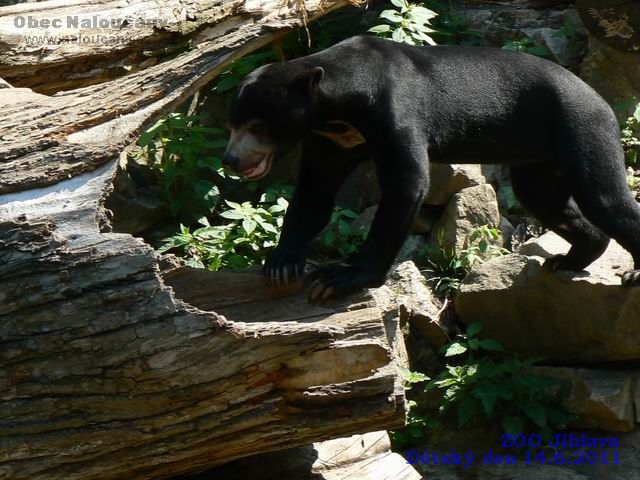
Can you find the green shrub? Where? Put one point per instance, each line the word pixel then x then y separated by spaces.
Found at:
pixel 527 45
pixel 451 28
pixel 409 24
pixel 449 267
pixel 183 152
pixel 418 424
pixel 487 385
pixel 340 235
pixel 629 135
pixel 251 233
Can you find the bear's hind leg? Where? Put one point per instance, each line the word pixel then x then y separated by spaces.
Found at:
pixel 599 186
pixel 544 192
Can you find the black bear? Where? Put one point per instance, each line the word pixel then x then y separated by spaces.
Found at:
pixel 405 106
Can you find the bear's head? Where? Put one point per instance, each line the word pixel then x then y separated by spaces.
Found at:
pixel 272 111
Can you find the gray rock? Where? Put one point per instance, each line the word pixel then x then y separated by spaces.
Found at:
pixel 406 291
pixel 359 457
pixel 564 316
pixel 503 22
pixel 613 74
pixel 544 246
pixel 448 179
pixel 467 210
pixel 563 48
pixel 601 398
pixel 363 222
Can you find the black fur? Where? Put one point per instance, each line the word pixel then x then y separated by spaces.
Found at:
pixel 446 104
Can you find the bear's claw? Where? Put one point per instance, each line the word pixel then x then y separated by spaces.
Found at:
pixel 631 278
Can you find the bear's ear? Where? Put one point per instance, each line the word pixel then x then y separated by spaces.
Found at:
pixel 308 82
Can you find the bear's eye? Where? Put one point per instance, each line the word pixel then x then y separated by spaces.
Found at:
pixel 259 128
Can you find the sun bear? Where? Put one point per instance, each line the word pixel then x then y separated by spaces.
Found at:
pixel 405 106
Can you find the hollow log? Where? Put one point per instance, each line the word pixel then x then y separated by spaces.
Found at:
pixel 111 366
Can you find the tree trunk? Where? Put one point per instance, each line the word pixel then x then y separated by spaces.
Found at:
pixel 107 369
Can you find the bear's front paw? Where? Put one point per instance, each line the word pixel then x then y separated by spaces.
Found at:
pixel 559 262
pixel 631 278
pixel 284 266
pixel 333 281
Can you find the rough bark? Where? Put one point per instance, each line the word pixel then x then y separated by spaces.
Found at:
pixel 105 372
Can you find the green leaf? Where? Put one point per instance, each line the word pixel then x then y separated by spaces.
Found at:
pixel 206 190
pixel 380 29
pixel 399 35
pixel 636 113
pixel 513 425
pixel 430 40
pixel 392 16
pixel 329 238
pixel 276 208
pixel 233 205
pixel 226 83
pixel 557 417
pixel 539 51
pixel 491 345
pixel 489 393
pixel 474 329
pixel 220 143
pixel 399 3
pixel 349 213
pixel 536 412
pixel 249 225
pixel 455 348
pixel 422 14
pixel 467 409
pixel 152 132
pixel 344 228
pixel 269 228
pixel 473 343
pixel 232 215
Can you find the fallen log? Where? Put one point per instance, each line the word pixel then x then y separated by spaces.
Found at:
pixel 106 371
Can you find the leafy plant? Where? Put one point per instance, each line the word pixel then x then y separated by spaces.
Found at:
pixel 633 182
pixel 240 68
pixel 629 136
pixel 245 241
pixel 325 32
pixel 409 24
pixel 568 31
pixel 451 28
pixel 449 267
pixel 182 151
pixel 527 45
pixel 340 235
pixel 486 384
pixel 418 424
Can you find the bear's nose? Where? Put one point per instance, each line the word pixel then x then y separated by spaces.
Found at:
pixel 231 161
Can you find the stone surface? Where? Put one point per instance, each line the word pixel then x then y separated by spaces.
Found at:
pixel 407 288
pixel 503 22
pixel 363 222
pixel 359 457
pixel 562 48
pixel 613 74
pixel 564 316
pixel 136 204
pixel 445 180
pixel 420 330
pixel 601 398
pixel 467 210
